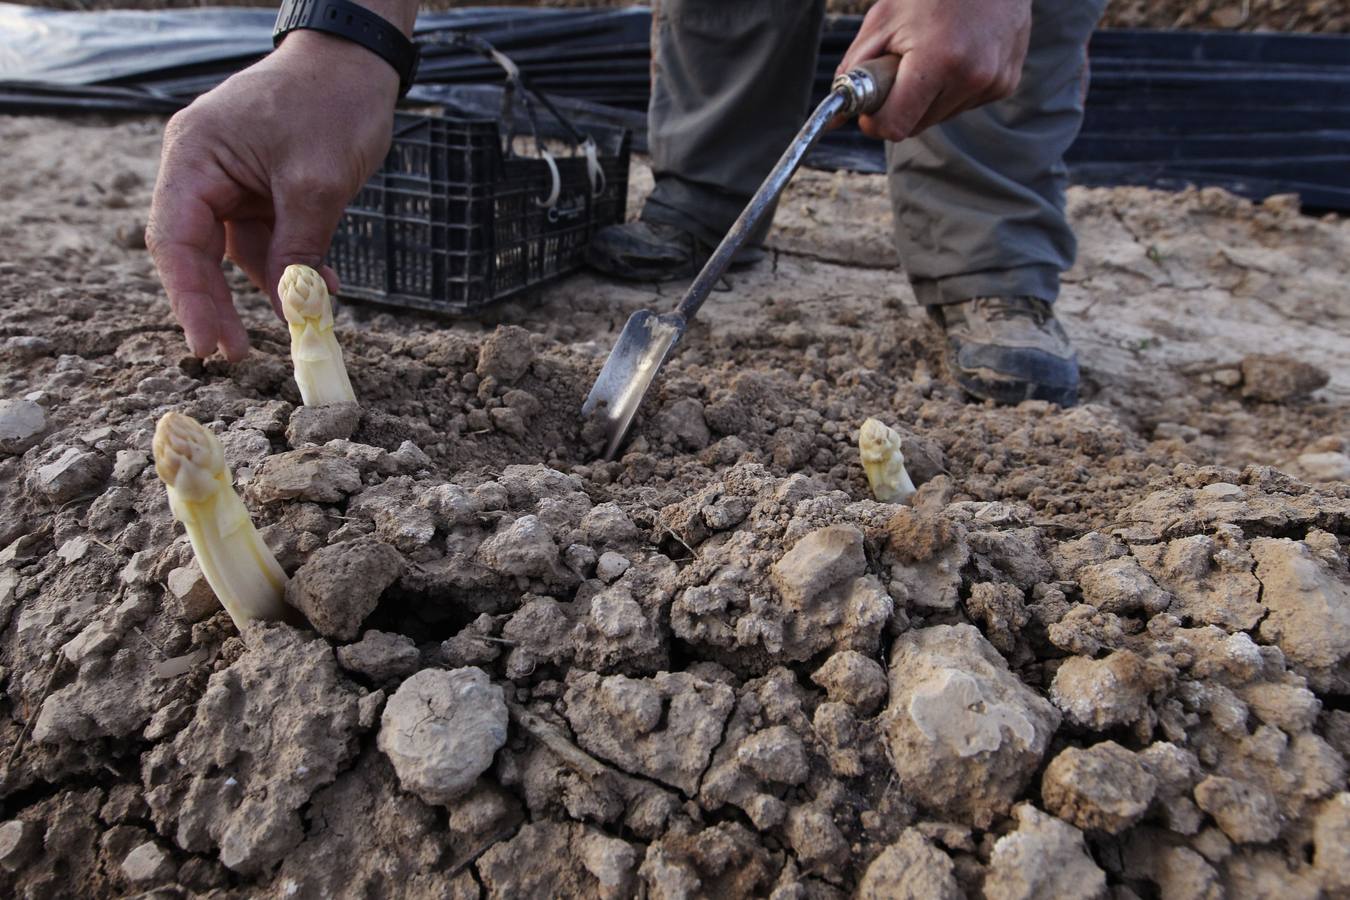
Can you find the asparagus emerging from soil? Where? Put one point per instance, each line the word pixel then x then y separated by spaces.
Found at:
pixel 883 462
pixel 319 369
pixel 241 570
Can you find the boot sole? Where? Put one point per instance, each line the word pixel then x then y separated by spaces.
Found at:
pixel 988 385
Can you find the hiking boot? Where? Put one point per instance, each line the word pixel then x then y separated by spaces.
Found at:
pixel 651 251
pixel 1009 349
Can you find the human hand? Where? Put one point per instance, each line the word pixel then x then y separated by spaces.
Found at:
pixel 954 55
pixel 259 171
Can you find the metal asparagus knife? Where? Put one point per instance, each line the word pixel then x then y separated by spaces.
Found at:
pixel 648 338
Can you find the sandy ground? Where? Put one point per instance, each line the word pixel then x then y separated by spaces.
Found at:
pixel 1102 650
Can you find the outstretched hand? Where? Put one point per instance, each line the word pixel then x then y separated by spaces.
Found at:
pixel 259 171
pixel 954 55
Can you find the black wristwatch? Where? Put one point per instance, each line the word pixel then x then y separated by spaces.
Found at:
pixel 358 25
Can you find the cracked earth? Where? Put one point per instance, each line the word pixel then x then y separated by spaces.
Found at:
pixel 1102 653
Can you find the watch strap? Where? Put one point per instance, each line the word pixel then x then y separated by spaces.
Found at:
pixel 356 24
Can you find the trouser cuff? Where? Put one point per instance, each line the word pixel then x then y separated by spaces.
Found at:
pixel 1041 282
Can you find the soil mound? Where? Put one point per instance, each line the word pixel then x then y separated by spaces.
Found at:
pixel 1104 651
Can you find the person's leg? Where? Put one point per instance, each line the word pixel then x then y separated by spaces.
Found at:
pixel 731 84
pixel 979 214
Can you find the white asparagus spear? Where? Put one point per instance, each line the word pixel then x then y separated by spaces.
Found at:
pixel 879 447
pixel 243 573
pixel 315 352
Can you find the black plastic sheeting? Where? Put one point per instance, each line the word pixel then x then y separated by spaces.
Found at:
pixel 1256 113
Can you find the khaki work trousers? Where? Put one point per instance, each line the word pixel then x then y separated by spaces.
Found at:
pixel 978 201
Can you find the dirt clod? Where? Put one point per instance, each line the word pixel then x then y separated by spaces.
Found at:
pixel 1104 693
pixel 910 869
pixel 441 729
pixel 665 727
pixel 1245 812
pixel 1044 857
pixel 321 424
pixel 554 859
pixel 965 734
pixel 67 472
pixel 505 355
pixel 22 423
pixel 1101 788
pixel 269 731
pixel 340 585
pixel 380 656
pixel 19 840
pixel 309 474
pixel 1309 602
pixel 148 864
pixel 849 677
pixel 1280 379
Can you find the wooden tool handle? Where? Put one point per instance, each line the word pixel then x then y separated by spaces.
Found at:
pixel 882 71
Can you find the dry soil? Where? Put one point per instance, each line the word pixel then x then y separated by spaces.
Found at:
pixel 1104 653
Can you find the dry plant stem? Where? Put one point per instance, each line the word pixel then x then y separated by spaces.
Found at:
pixel 238 565
pixel 32 717
pixel 551 738
pixel 879 447
pixel 319 369
pixel 483 846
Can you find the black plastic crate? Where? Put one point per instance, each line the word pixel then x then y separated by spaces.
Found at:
pixel 451 223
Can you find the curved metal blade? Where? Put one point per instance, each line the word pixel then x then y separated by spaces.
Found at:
pixel 642 348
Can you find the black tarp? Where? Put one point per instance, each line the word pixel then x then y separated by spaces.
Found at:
pixel 1256 113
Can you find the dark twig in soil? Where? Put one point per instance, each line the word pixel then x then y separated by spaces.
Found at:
pixel 469 858
pixel 551 738
pixel 32 717
pixel 153 645
pixel 679 540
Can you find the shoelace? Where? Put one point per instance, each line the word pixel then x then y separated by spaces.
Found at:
pixel 1003 308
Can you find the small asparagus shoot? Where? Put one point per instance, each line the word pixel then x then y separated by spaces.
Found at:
pixel 879 447
pixel 319 369
pixel 243 573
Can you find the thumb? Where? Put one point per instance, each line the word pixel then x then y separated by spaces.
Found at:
pixel 300 236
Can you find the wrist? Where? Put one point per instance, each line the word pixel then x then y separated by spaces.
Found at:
pixel 337 59
pixel 379 28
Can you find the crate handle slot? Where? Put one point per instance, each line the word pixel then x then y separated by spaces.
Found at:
pixel 597 174
pixel 552 200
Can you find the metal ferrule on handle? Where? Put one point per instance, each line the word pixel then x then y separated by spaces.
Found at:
pixel 866 86
pixel 859 90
